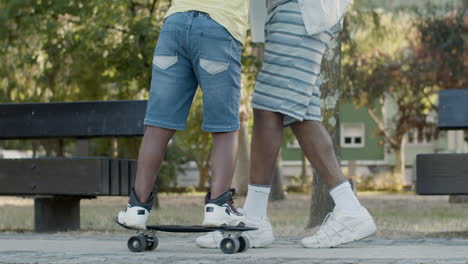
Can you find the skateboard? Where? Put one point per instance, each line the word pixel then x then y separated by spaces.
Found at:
pixel 146 240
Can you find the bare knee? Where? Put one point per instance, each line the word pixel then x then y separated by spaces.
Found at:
pixel 267 119
pixel 154 131
pixel 313 131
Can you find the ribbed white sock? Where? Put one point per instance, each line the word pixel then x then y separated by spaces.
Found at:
pixel 256 203
pixel 344 197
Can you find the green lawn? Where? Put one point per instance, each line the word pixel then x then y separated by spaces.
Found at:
pixel 397 215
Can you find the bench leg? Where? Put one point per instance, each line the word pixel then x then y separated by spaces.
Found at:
pixel 56 214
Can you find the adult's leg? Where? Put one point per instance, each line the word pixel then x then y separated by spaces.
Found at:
pixel 266 143
pixel 318 148
pixel 152 149
pixel 223 162
pixel 349 220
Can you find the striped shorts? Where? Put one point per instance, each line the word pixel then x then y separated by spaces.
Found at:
pixel 289 81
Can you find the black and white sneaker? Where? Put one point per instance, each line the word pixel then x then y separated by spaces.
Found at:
pixel 220 211
pixel 137 213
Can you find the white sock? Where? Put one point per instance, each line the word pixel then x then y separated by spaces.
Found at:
pixel 256 203
pixel 344 197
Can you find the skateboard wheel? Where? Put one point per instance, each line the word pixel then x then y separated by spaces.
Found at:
pixel 244 244
pixel 136 243
pixel 152 243
pixel 229 245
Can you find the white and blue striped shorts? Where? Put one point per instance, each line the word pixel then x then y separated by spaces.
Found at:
pixel 289 81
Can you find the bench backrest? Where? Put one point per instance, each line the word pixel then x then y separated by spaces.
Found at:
pixel 453 109
pixel 72 119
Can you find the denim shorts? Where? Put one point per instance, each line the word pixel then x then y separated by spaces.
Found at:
pixel 193 50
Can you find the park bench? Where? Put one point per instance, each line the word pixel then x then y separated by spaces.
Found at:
pixel 446 173
pixel 58 183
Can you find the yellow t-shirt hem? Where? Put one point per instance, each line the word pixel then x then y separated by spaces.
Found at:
pixel 237 33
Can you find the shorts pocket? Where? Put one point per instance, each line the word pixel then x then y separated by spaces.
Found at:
pixel 216 52
pixel 164 61
pixel 213 67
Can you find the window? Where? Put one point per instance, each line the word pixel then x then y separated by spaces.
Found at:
pixel 420 136
pixel 352 135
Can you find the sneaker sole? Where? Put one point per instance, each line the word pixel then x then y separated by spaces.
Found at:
pixel 218 223
pixel 347 242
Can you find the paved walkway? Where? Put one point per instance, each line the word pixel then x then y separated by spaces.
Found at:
pixel 85 248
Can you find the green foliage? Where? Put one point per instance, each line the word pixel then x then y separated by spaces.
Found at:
pixel 442 38
pixel 77 50
pixel 405 58
pixel 167 176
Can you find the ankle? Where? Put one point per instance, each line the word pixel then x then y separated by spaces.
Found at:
pixel 134 200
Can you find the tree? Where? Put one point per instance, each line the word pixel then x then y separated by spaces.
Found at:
pixel 387 60
pixel 321 201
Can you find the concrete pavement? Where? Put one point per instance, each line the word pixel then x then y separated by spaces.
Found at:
pixel 111 248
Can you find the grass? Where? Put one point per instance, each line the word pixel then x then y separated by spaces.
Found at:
pixel 397 215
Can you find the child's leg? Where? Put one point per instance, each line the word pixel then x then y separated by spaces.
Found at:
pixel 223 162
pixel 152 149
pixel 219 207
pixel 266 141
pixel 216 57
pixel 173 85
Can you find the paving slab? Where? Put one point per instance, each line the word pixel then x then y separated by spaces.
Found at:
pixel 111 248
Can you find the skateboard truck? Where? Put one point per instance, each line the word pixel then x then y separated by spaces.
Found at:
pixel 146 240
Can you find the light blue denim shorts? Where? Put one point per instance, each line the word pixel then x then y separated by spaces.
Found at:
pixel 193 50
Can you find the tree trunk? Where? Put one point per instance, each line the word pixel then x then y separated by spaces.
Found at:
pixel 277 192
pixel 115 147
pixel 35 146
pixel 156 198
pixel 321 201
pixel 399 169
pixel 242 171
pixel 60 150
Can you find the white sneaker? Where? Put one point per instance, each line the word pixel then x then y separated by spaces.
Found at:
pixel 137 213
pixel 341 227
pixel 134 216
pixel 220 211
pixel 258 238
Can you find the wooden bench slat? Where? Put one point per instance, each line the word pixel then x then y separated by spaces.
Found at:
pixel 61 176
pixel 441 174
pixel 74 119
